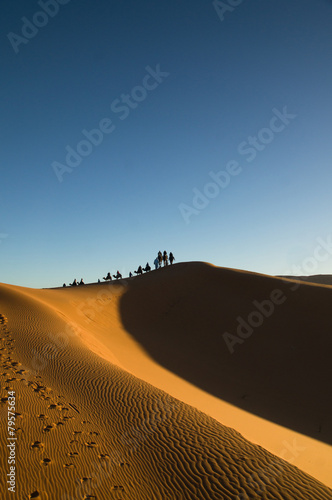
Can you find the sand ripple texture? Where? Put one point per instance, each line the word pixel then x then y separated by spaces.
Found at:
pixel 88 429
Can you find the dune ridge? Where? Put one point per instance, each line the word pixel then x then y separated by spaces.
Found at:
pixel 90 429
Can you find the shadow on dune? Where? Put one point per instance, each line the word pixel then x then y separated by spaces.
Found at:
pixel 280 369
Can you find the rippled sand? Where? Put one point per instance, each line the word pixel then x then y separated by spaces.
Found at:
pixel 128 390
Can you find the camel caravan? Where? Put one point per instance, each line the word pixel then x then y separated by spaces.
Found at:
pixel 161 260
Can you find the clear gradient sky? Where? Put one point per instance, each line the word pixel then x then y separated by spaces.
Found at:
pixel 178 90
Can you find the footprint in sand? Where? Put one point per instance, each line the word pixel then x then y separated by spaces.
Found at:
pixel 68 417
pixel 94 433
pixel 72 454
pixel 77 432
pixel 49 428
pixel 86 497
pixel 46 461
pixel 39 389
pixel 91 444
pixel 104 456
pixel 38 495
pixel 37 445
pixel 41 416
pixel 69 466
pixel 85 479
pixel 53 407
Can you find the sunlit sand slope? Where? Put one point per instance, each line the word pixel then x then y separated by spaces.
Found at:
pixel 86 428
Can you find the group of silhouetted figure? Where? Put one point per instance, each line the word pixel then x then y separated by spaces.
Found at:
pixel 74 283
pixel 117 276
pixel 162 259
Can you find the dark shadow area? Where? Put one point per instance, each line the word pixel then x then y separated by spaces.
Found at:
pixel 280 366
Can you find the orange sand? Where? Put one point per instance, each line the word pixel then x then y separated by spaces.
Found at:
pixel 127 390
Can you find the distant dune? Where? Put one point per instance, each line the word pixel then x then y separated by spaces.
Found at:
pixel 320 279
pixel 123 389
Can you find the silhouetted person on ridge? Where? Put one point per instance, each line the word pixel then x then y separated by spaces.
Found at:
pixel 160 258
pixel 74 283
pixel 130 274
pixel 81 282
pixel 108 277
pixel 171 258
pixel 156 263
pixel 147 268
pixel 117 276
pixel 165 258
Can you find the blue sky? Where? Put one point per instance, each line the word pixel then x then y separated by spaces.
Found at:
pixel 179 89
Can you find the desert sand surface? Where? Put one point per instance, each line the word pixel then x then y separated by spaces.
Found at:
pixel 130 390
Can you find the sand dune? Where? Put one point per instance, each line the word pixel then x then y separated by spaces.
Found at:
pixel 283 361
pixel 320 279
pixel 93 422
